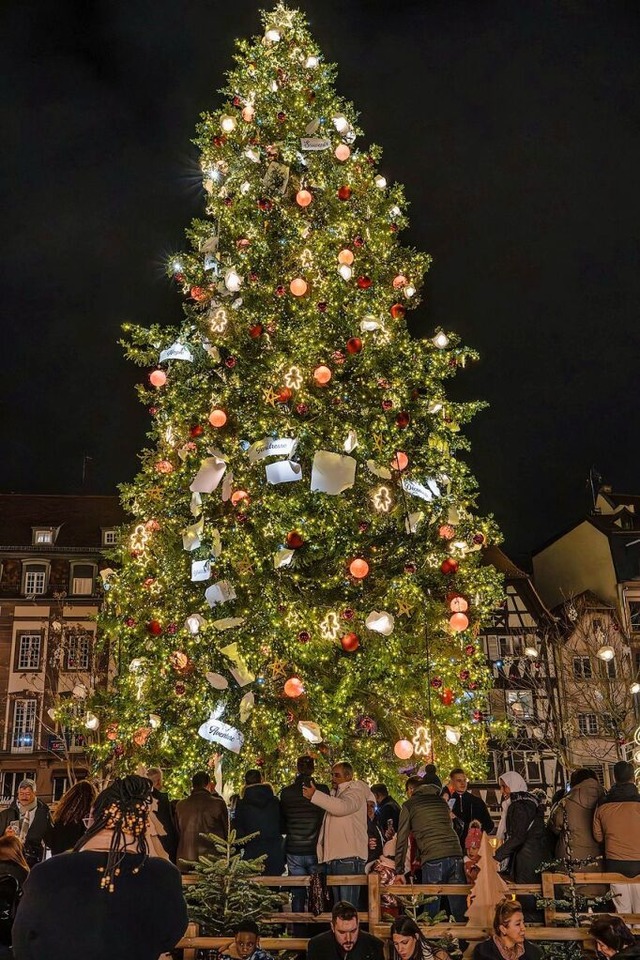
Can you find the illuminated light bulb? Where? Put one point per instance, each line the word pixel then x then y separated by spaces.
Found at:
pixel 176 266
pixel 458 622
pixel 380 182
pixel 298 287
pixel 311 63
pixel 342 152
pixel 409 291
pixel 452 735
pixel 228 123
pixel 359 568
pixel 193 623
pixel 635 687
pixel 237 496
pixel 403 749
pixel 322 375
pixel 400 461
pixel 531 652
pixel 248 113
pixel 441 340
pixel 158 378
pixel 232 280
pixel 294 687
pixel 345 271
pixel 606 653
pixel 341 123
pixel 303 198
pixel 399 282
pixel 217 418
pixel 91 722
pixel 272 35
pixel 346 256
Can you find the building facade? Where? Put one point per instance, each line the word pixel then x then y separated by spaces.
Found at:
pixel 51 553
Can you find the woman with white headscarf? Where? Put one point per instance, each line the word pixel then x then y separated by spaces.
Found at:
pixel 525 841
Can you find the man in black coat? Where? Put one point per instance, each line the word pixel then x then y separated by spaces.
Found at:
pixel 345 939
pixel 31 819
pixel 387 811
pixel 258 811
pixel 301 822
pixel 465 806
pixel 164 813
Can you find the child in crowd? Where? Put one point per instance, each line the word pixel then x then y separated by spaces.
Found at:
pixel 245 944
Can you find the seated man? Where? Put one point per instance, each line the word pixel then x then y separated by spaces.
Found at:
pixel 245 944
pixel 345 938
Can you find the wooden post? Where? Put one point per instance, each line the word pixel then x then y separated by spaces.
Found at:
pixel 373 893
pixel 548 894
pixel 189 953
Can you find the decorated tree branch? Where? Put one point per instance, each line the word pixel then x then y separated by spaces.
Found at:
pixel 303 565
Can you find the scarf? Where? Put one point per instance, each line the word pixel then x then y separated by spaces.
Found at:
pixel 516 784
pixel 24 809
pixel 508 953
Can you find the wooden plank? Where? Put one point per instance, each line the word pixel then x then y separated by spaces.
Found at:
pixel 594 878
pixel 374 899
pixel 548 893
pixel 192 931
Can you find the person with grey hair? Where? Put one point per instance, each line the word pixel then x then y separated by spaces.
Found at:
pixel 29 819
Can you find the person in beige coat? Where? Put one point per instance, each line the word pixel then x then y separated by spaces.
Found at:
pixel 571 820
pixel 199 814
pixel 343 839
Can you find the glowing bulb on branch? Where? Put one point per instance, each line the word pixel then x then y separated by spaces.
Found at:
pixel 303 198
pixel 380 182
pixel 158 378
pixel 345 256
pixel 228 123
pixel 441 340
pixel 403 749
pixel 298 287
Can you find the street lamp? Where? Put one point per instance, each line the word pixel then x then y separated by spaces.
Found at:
pixel 606 653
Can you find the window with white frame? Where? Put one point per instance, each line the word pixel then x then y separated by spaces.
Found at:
pixel 24 725
pixel 28 651
pixel 582 669
pixel 82 579
pixel 10 780
pixel 43 535
pixel 35 579
pixel 78 651
pixel 109 538
pixel 588 724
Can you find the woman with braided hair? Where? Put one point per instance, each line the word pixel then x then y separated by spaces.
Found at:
pixel 119 901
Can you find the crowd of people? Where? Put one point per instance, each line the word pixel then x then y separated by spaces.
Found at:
pixel 117 858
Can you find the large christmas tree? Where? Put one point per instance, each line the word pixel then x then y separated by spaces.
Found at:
pixel 303 567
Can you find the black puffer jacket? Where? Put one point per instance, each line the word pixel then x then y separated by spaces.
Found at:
pixel 301 819
pixel 527 843
pixel 629 953
pixel 258 811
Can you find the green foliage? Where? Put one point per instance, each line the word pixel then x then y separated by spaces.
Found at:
pixel 226 891
pixel 254 348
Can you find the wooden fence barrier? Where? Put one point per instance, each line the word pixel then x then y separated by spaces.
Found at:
pixel 192 941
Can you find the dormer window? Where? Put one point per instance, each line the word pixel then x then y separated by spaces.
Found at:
pixel 109 537
pixel 43 536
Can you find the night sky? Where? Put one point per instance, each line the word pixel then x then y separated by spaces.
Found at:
pixel 514 127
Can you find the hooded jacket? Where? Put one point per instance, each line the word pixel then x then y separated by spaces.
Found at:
pixel 527 844
pixel 258 811
pixel 426 815
pixel 344 829
pixel 578 805
pixel 617 822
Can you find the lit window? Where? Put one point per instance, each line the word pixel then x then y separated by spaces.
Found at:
pixel 29 651
pixel 82 578
pixel 78 651
pixel 582 669
pixel 43 535
pixel 24 724
pixel 35 579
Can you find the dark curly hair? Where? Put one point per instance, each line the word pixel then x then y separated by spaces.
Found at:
pixel 612 931
pixel 123 807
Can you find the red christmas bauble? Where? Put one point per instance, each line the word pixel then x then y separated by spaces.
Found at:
pixel 464 675
pixel 178 277
pixel 398 310
pixel 281 290
pixel 230 362
pixel 304 636
pixel 294 540
pixel 364 282
pixel 436 683
pixel 354 345
pixel 196 430
pixel 154 627
pixel 403 419
pixel 358 241
pixel 322 306
pixel 350 642
pixel 469 649
pixel 449 566
pixel 284 395
pixel 265 204
pixel 180 689
pixel 129 622
pixel 447 696
pixel 302 409
pixel 344 193
pixel 348 614
pixel 260 762
pixel 281 116
pixel 387 404
pixel 256 330
pixel 410 568
pixel 479 538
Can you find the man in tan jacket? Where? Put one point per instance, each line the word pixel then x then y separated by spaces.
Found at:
pixel 200 813
pixel 343 840
pixel 617 821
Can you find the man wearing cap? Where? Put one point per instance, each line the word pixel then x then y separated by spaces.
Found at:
pixel 27 818
pixel 426 815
